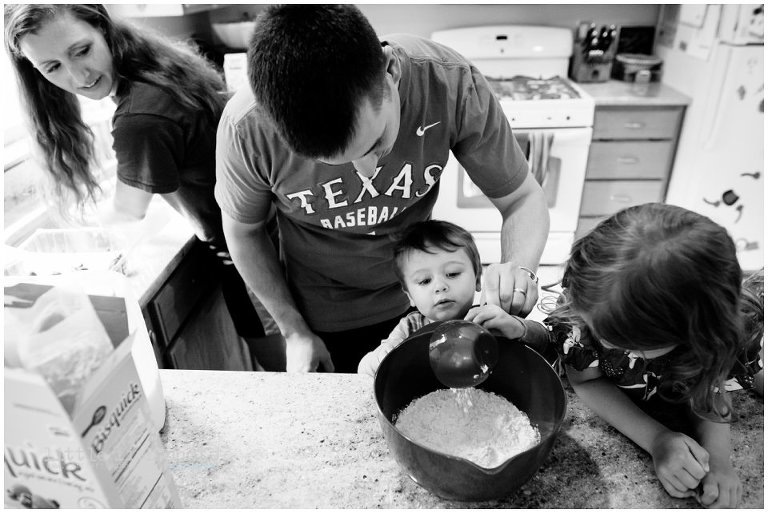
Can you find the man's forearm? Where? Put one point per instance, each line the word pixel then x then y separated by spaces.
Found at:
pixel 256 260
pixel 524 230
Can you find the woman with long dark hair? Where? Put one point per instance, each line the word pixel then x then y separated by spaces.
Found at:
pixel 169 100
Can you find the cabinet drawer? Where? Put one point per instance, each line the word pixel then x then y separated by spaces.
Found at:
pixel 636 123
pixel 605 198
pixel 195 277
pixel 586 224
pixel 629 159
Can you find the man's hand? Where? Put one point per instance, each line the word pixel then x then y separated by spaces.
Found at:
pixel 305 353
pixel 510 287
pixel 680 463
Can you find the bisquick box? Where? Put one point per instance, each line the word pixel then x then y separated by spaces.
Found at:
pixel 108 455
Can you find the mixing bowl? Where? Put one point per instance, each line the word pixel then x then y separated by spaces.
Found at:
pixel 521 375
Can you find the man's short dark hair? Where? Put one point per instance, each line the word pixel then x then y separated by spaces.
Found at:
pixel 309 67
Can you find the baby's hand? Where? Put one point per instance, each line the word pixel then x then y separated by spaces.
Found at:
pixel 407 325
pixel 720 488
pixel 493 318
pixel 371 361
pixel 680 463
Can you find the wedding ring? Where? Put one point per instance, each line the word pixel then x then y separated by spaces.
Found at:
pixel 531 274
pixel 521 291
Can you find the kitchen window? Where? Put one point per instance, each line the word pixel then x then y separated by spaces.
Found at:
pixel 22 173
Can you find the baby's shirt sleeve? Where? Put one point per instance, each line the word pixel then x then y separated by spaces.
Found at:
pixel 572 344
pixel 407 325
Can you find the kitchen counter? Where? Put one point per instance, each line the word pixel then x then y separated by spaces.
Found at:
pixel 618 93
pixel 274 440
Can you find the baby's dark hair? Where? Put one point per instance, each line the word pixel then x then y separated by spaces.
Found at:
pixel 427 235
pixel 655 275
pixel 310 66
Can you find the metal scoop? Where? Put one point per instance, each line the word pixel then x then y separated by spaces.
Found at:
pixel 462 354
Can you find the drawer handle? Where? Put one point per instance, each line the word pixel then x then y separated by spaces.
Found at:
pixel 621 198
pixel 628 160
pixel 634 125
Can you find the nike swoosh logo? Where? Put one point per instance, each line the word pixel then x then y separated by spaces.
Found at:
pixel 420 131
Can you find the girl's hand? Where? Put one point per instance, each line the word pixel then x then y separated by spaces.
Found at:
pixel 720 488
pixel 680 463
pixel 493 318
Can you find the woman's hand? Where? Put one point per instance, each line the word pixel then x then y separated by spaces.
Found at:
pixel 680 463
pixel 721 487
pixel 305 352
pixel 493 318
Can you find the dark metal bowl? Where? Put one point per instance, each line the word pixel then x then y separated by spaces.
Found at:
pixel 522 376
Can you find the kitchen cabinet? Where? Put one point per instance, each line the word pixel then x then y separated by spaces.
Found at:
pixel 630 159
pixel 188 320
pixel 152 10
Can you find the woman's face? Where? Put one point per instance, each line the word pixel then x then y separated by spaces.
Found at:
pixel 72 55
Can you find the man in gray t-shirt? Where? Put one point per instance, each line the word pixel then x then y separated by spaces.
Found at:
pixel 347 137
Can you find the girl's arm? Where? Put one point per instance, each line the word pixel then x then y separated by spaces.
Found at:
pixel 721 487
pixel 680 462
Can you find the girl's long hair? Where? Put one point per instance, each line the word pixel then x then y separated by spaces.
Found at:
pixel 65 140
pixel 655 275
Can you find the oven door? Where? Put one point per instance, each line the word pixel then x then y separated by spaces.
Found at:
pixel 558 159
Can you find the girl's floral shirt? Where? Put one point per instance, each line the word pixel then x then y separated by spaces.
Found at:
pixel 628 370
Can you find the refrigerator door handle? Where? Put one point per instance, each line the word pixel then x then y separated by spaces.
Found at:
pixel 710 123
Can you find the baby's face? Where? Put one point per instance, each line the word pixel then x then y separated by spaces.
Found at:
pixel 441 284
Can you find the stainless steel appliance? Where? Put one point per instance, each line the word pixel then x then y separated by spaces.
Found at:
pixel 551 118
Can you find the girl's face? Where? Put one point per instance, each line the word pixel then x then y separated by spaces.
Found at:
pixel 442 284
pixel 647 354
pixel 71 54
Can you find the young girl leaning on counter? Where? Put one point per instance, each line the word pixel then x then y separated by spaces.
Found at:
pixel 168 103
pixel 653 319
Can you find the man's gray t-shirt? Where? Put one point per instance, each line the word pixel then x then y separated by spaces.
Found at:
pixel 335 225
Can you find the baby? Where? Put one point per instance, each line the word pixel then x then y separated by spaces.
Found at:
pixel 439 268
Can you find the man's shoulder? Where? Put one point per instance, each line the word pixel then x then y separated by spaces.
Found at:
pixel 240 107
pixel 419 48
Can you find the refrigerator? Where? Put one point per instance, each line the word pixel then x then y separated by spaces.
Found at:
pixel 714 55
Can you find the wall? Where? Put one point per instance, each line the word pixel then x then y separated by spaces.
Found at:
pixel 423 19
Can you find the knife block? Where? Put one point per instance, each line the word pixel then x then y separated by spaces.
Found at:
pixel 592 65
pixel 584 70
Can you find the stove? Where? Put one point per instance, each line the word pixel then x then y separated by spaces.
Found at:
pixel 551 116
pixel 527 67
pixel 520 88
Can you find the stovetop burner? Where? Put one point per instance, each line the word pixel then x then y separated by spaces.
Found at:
pixel 528 88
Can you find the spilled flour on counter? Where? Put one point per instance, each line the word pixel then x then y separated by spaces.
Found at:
pixel 470 423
